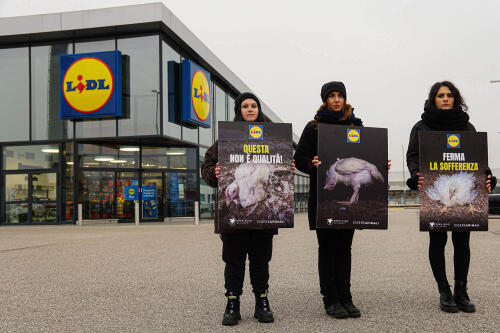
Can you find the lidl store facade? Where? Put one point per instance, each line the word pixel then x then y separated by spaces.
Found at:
pixel 79 128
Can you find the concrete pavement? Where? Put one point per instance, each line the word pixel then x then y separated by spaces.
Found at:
pixel 168 278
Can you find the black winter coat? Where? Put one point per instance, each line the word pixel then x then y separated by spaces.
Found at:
pixel 306 150
pixel 412 155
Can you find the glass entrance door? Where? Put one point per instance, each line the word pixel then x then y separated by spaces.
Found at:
pixel 98 194
pixel 152 196
pixel 44 197
pixel 125 208
pixel 31 198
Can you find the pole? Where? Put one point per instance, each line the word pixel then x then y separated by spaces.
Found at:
pixel 136 212
pixel 80 215
pixel 404 189
pixel 196 212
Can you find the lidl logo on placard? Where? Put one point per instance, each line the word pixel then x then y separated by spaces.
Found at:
pixel 200 93
pixel 255 132
pixel 353 135
pixel 90 84
pixel 453 140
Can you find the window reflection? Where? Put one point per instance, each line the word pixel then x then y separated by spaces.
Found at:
pixel 14 94
pixel 108 156
pixel 30 157
pixel 45 113
pixel 171 91
pixel 143 85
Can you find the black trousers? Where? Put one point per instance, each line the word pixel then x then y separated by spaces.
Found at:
pixel 259 247
pixel 334 264
pixel 461 255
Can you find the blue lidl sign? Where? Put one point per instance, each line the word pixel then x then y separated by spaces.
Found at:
pixel 196 94
pixel 131 193
pixel 90 85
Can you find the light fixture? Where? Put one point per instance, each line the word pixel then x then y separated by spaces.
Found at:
pixel 117 161
pixel 103 158
pixel 50 149
pixel 129 148
pixel 173 152
pixel 70 163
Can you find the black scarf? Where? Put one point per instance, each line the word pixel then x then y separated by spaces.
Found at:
pixel 332 117
pixel 445 120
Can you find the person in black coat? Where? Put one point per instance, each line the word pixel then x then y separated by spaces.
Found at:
pixel 237 244
pixel 445 110
pixel 334 245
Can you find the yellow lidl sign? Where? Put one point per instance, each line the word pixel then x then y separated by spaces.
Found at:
pixel 453 140
pixel 91 85
pixel 353 135
pixel 196 94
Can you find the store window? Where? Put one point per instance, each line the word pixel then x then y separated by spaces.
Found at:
pixel 171 91
pixel 14 94
pixel 230 108
pixel 142 100
pixel 46 122
pixel 108 156
pixel 31 157
pixel 207 193
pixel 68 182
pixel 154 158
pixel 102 127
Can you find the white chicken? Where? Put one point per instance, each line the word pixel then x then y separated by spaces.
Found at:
pixel 352 172
pixel 254 183
pixel 454 190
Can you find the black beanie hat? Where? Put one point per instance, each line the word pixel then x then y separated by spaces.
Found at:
pixel 241 98
pixel 332 86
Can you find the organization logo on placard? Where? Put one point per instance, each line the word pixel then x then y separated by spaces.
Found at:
pixel 88 85
pixel 453 140
pixel 200 95
pixel 255 132
pixel 232 222
pixel 329 221
pixel 353 135
pixel 431 225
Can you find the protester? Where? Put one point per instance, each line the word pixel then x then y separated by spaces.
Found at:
pixel 334 245
pixel 445 110
pixel 237 244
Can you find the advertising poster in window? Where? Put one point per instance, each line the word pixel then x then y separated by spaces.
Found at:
pixel 352 177
pixel 453 196
pixel 149 201
pixel 256 181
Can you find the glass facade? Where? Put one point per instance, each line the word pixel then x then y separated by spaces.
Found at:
pixel 14 94
pixel 46 123
pixel 142 94
pixel 50 165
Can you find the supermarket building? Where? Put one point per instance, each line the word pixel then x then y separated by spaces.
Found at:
pixel 50 164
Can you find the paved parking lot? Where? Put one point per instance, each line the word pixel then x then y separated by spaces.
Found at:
pixel 168 278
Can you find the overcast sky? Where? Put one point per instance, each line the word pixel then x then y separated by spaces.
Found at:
pixel 388 54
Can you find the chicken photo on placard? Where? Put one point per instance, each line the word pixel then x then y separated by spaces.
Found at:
pixel 260 183
pixel 454 190
pixel 352 172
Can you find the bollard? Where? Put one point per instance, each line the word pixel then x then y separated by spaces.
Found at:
pixel 136 212
pixel 80 215
pixel 196 212
pixel 299 208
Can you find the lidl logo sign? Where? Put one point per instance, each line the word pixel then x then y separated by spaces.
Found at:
pixel 90 85
pixel 196 94
pixel 453 140
pixel 353 135
pixel 131 191
pixel 255 132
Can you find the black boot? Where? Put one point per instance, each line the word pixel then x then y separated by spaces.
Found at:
pixel 446 301
pixel 262 310
pixel 232 313
pixel 462 298
pixel 336 310
pixel 351 309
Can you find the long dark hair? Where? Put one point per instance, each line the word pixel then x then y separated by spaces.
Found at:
pixel 261 117
pixel 458 99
